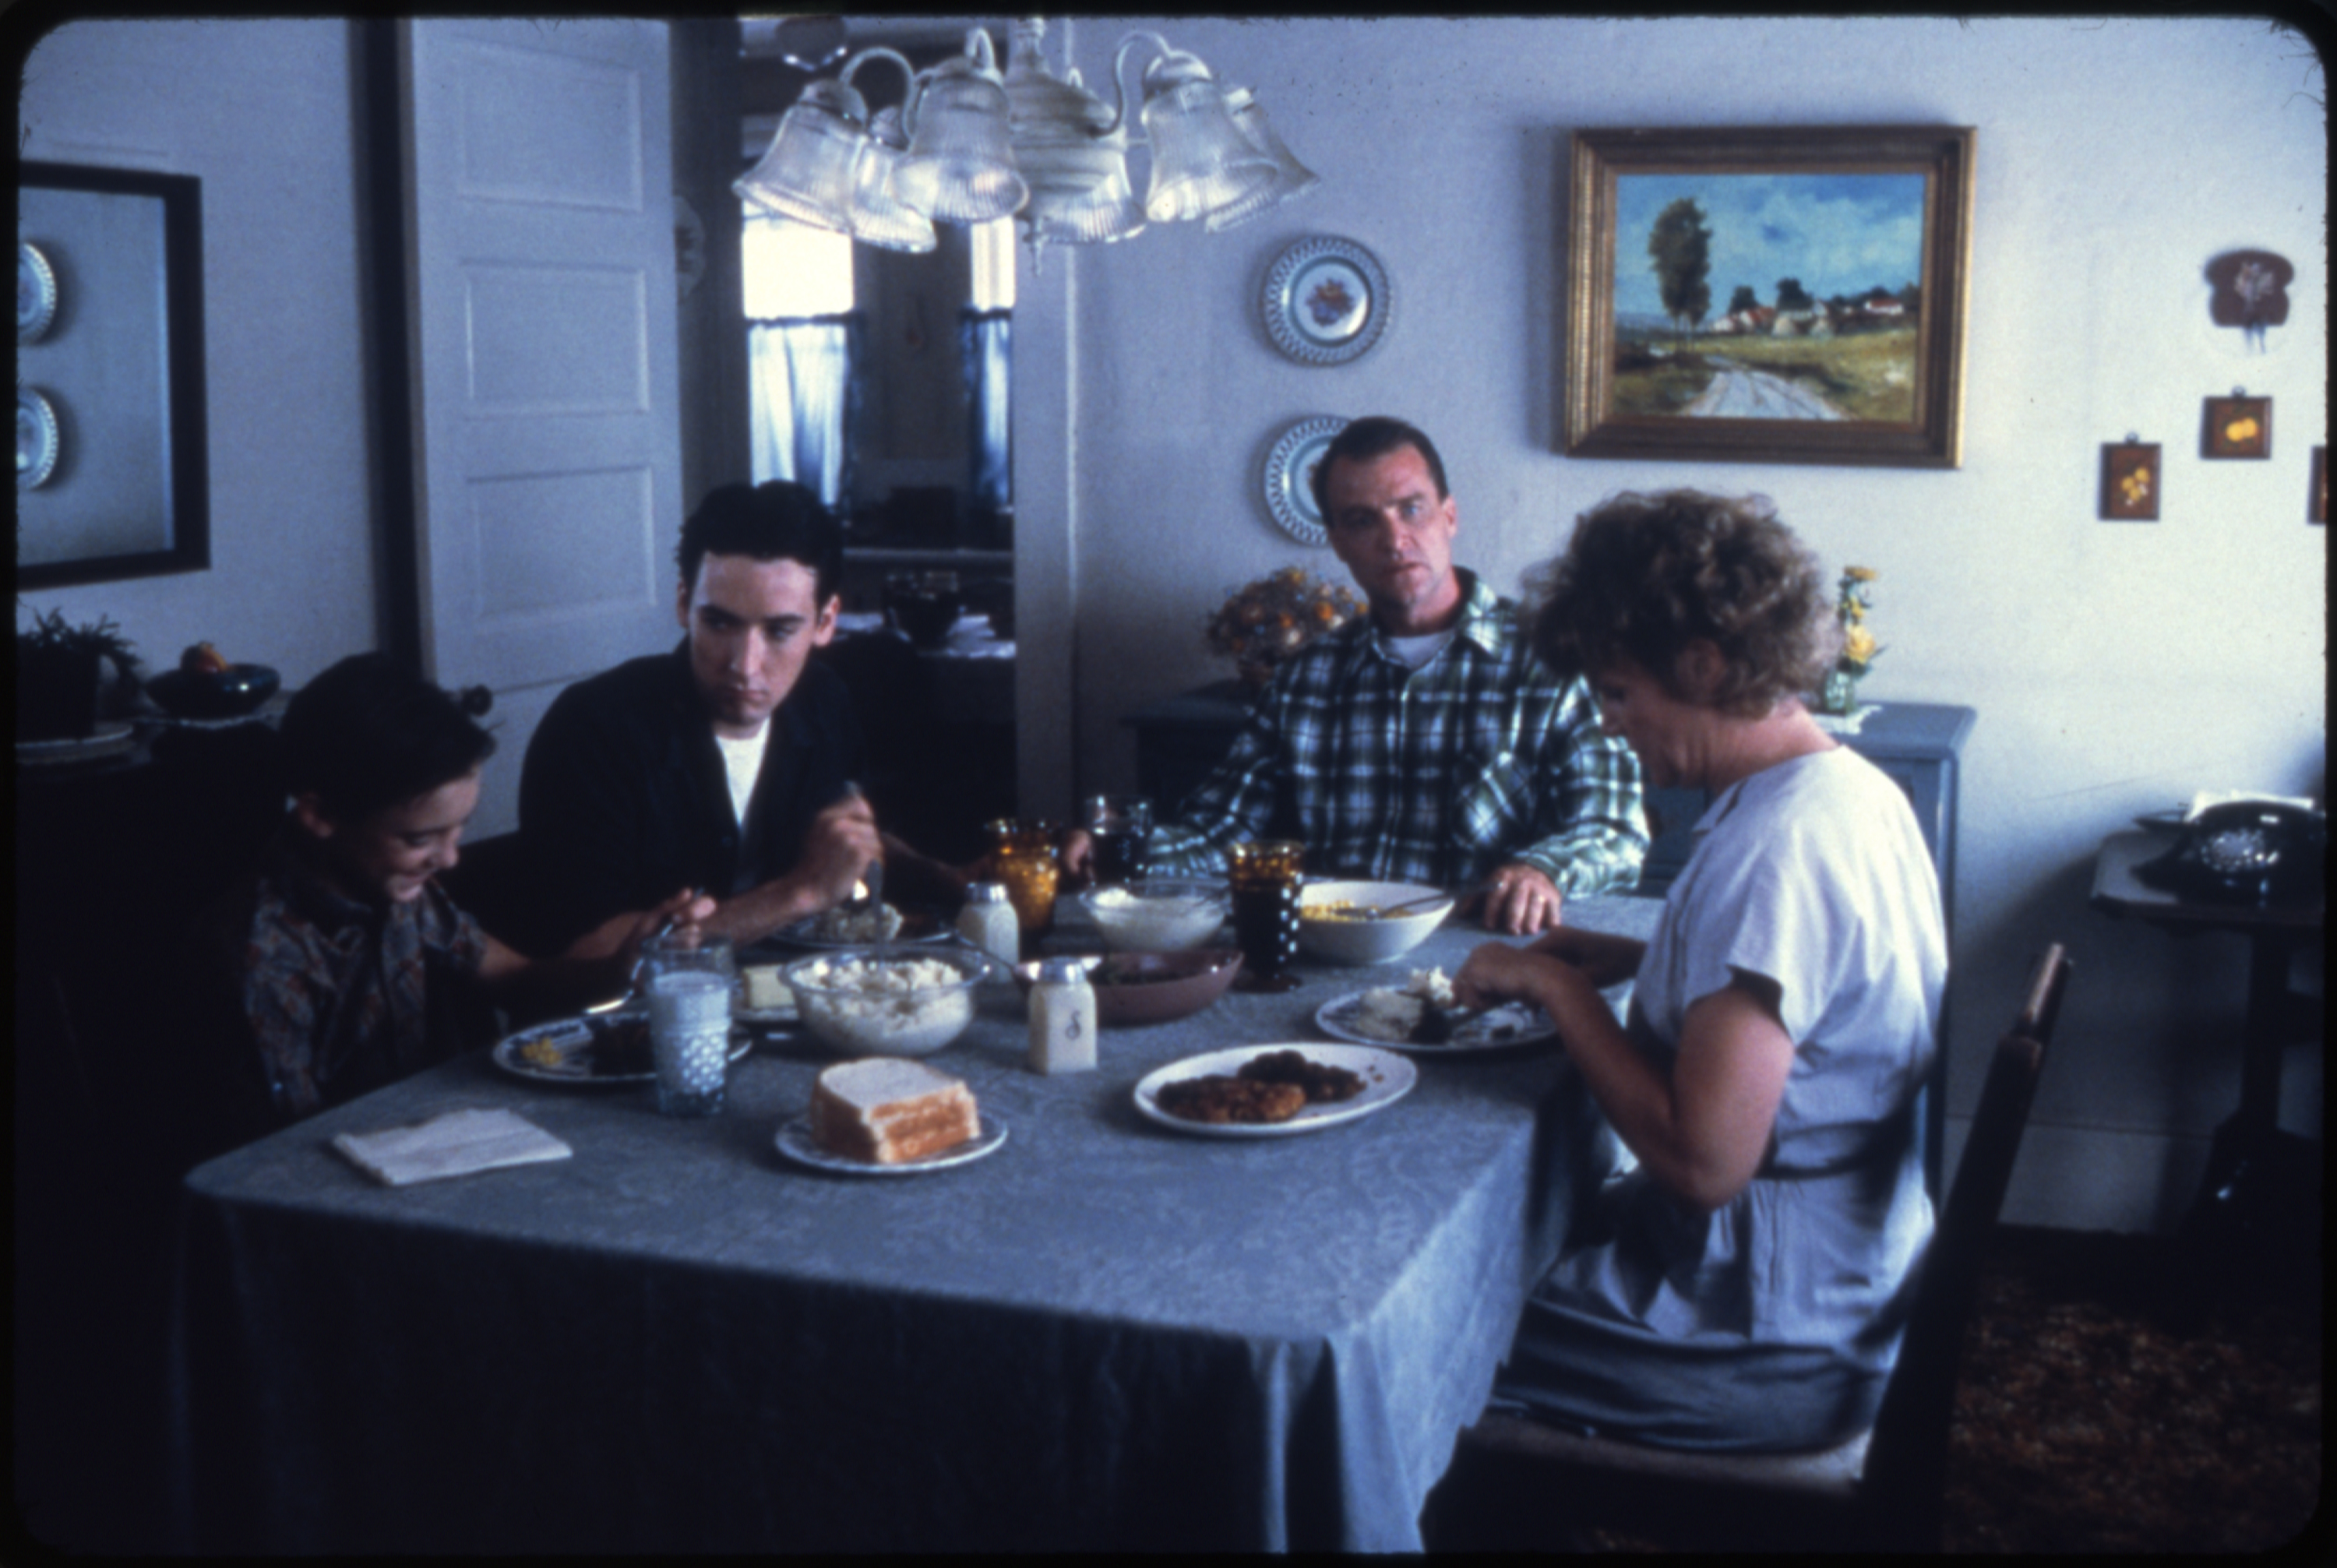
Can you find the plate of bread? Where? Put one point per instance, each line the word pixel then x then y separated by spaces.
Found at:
pixel 889 1116
pixel 1274 1091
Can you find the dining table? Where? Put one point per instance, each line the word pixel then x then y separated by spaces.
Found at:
pixel 1105 1334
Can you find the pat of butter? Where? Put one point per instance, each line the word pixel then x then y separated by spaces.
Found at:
pixel 765 989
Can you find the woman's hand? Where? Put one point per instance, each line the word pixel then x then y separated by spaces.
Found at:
pixel 1497 972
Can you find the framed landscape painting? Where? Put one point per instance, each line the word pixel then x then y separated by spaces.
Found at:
pixel 1769 295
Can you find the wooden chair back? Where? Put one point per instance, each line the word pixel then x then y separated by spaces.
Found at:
pixel 1907 1459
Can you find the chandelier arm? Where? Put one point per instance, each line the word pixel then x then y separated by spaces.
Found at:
pixel 877 52
pixel 1119 89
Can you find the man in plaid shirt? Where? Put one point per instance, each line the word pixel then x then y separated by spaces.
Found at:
pixel 1423 742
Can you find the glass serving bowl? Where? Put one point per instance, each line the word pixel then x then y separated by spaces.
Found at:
pixel 899 1003
pixel 1158 915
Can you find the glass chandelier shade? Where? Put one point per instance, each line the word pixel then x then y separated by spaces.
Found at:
pixel 879 217
pixel 973 145
pixel 959 165
pixel 806 175
pixel 1291 178
pixel 1200 159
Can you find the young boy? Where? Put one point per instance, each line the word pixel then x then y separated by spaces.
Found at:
pixel 340 964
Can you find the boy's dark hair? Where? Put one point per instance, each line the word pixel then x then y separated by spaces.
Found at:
pixel 366 735
pixel 777 520
pixel 1372 436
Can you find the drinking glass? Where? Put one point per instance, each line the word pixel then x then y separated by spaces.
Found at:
pixel 1265 880
pixel 1024 856
pixel 689 976
pixel 1119 826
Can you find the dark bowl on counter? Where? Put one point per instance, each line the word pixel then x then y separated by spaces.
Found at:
pixel 229 693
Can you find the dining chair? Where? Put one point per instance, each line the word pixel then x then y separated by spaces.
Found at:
pixel 1516 1482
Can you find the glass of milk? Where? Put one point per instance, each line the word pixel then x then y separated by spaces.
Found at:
pixel 690 978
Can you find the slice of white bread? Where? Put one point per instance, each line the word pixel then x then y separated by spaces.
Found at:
pixel 887 1109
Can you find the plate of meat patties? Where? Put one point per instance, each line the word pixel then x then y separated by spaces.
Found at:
pixel 1274 1091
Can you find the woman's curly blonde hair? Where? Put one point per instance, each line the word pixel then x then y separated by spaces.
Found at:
pixel 1646 574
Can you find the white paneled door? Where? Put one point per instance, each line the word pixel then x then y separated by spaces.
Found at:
pixel 547 415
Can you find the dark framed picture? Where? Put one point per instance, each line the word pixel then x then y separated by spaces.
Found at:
pixel 2316 501
pixel 112 475
pixel 1769 295
pixel 2237 426
pixel 2130 481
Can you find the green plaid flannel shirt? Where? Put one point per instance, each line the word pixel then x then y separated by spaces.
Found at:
pixel 1433 775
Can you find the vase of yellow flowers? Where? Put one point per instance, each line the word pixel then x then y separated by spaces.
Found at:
pixel 1264 623
pixel 1855 596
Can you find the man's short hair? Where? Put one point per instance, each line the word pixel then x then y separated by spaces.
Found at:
pixel 368 734
pixel 1372 436
pixel 777 520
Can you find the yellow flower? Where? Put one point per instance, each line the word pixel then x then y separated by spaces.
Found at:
pixel 1858 644
pixel 2241 431
pixel 1860 573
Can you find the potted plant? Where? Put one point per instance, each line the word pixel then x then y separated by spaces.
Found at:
pixel 57 671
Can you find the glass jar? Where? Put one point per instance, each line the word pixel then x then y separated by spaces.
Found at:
pixel 1025 857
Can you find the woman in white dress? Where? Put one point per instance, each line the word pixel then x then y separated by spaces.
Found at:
pixel 1744 1287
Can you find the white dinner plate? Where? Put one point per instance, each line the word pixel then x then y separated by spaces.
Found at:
pixel 1387 1078
pixel 794 1142
pixel 109 739
pixel 1502 1028
pixel 572 1038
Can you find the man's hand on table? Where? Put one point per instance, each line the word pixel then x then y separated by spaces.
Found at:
pixel 1519 900
pixel 1077 857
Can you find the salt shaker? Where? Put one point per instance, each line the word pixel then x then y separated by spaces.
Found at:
pixel 1063 1019
pixel 988 921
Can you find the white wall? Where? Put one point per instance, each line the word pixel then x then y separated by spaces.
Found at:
pixel 2116 667
pixel 263 115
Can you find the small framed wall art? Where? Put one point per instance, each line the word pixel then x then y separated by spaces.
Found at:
pixel 2130 481
pixel 2316 498
pixel 2237 426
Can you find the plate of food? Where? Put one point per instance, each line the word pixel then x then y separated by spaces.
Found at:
pixel 1274 1091
pixel 885 923
pixel 797 1143
pixel 887 1116
pixel 596 1048
pixel 1416 1016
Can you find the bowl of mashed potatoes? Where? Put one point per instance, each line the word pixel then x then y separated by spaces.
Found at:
pixel 864 1003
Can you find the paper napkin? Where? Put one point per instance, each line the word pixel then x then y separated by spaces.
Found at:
pixel 455 1144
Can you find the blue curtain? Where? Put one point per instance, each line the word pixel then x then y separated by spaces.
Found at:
pixel 803 393
pixel 986 351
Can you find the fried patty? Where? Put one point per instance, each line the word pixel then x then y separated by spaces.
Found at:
pixel 1219 1099
pixel 1320 1080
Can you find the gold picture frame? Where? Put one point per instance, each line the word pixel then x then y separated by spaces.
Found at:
pixel 1857 368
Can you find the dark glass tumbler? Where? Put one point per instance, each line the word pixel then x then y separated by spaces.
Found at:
pixel 1265 877
pixel 1119 826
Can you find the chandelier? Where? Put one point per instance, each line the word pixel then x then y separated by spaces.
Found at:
pixel 972 144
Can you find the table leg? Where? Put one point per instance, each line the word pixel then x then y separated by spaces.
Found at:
pixel 2259 1196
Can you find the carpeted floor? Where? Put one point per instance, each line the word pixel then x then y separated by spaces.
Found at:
pixel 2085 1424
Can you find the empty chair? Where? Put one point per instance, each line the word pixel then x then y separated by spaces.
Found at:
pixel 1517 1483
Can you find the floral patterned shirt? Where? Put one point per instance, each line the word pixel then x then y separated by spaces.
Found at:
pixel 1437 775
pixel 337 997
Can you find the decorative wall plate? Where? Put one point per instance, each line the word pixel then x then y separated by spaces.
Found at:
pixel 1290 476
pixel 38 440
pixel 36 293
pixel 1327 301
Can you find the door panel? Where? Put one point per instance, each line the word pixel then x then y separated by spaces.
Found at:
pixel 548 438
